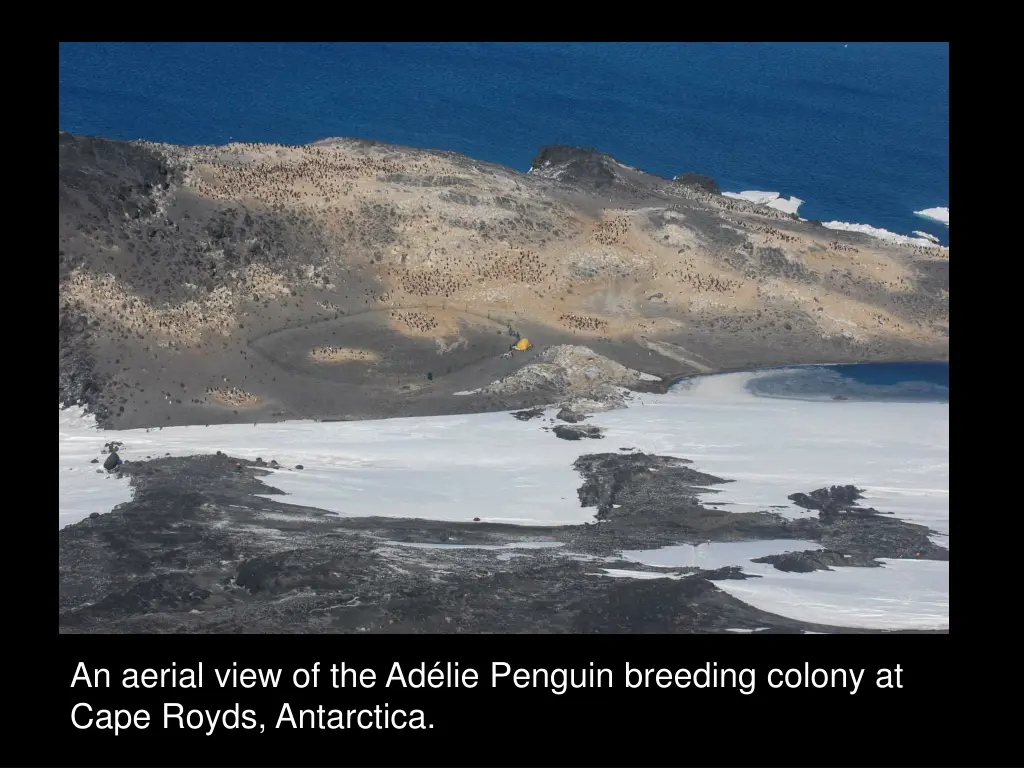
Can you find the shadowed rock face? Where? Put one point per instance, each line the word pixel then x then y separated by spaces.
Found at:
pixel 202 549
pixel 830 501
pixel 110 180
pixel 533 413
pixel 699 181
pixel 570 416
pixel 576 165
pixel 577 432
pixel 351 279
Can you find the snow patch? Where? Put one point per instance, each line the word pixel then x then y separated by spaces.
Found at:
pixel 621 573
pixel 453 468
pixel 904 594
pixel 753 196
pixel 490 547
pixel 501 469
pixel 84 488
pixel 715 555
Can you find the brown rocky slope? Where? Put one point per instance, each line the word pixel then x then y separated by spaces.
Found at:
pixel 264 282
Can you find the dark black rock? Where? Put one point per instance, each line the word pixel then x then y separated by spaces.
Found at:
pixel 299 466
pixel 830 501
pixel 532 413
pixel 579 165
pixel 112 461
pixel 811 560
pixel 698 181
pixel 571 416
pixel 93 515
pixel 577 432
pixel 728 573
pixel 655 486
pixel 95 461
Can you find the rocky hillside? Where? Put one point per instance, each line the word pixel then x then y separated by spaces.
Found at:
pixel 351 279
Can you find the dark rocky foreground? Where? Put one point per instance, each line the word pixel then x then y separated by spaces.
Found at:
pixel 197 551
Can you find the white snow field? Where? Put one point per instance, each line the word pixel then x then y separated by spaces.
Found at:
pixel 454 468
pixel 81 489
pixel 904 594
pixel 500 469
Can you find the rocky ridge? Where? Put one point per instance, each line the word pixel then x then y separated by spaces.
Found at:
pixel 188 272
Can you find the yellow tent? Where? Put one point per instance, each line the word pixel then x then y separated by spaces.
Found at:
pixel 522 345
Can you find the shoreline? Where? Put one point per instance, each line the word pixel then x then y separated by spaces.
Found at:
pixel 669 383
pixel 656 387
pixel 789 206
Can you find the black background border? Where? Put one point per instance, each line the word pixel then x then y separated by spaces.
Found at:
pixel 955 708
pixel 506 726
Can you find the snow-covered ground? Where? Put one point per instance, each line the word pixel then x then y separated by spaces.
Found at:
pixel 454 468
pixel 904 594
pixel 772 447
pixel 84 488
pixel 500 469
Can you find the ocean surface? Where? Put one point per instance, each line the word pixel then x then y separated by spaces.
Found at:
pixel 859 131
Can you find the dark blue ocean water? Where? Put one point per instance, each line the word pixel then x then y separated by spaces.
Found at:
pixel 860 131
pixel 893 382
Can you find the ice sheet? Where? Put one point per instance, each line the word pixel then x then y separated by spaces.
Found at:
pixel 714 555
pixel 935 214
pixel 904 594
